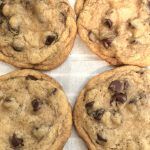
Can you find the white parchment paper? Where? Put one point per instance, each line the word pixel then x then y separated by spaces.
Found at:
pixel 80 66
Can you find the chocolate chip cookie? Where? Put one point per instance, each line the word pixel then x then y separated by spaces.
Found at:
pixel 36 34
pixel 113 110
pixel 34 112
pixel 118 31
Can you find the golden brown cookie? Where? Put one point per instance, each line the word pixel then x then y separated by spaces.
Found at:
pixel 34 112
pixel 118 31
pixel 36 34
pixel 112 112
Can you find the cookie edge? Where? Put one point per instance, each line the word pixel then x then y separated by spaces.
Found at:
pixel 58 59
pixel 116 61
pixel 66 133
pixel 77 111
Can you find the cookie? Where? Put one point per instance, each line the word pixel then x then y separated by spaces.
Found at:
pixel 36 34
pixel 112 112
pixel 116 30
pixel 34 112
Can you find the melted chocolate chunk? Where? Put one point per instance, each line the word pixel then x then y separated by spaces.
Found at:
pixel 16 142
pixel 118 86
pixel 1 19
pixel 89 104
pixel 119 98
pixel 141 95
pixel 53 91
pixel 30 77
pixel 98 114
pixel 1 6
pixel 133 101
pixel 7 100
pixel 88 107
pixel 63 17
pixel 141 72
pixel 126 85
pixel 106 43
pixel 1 14
pixel 100 139
pixel 133 41
pixel 108 23
pixel 115 86
pixel 28 5
pixel 114 112
pixel 148 4
pixel 36 104
pixel 50 39
pixel 131 26
pixel 17 49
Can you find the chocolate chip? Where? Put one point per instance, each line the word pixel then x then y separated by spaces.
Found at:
pixel 118 86
pixel 115 86
pixel 30 77
pixel 148 4
pixel 89 104
pixel 141 72
pixel 133 41
pixel 1 13
pixel 88 107
pixel 28 4
pixel 113 112
pixel 119 98
pixel 100 139
pixel 63 17
pixel 16 48
pixel 50 39
pixel 1 19
pixel 16 142
pixel 106 42
pixel 7 100
pixel 133 101
pixel 1 6
pixel 131 25
pixel 141 95
pixel 126 85
pixel 36 104
pixel 53 91
pixel 108 23
pixel 98 114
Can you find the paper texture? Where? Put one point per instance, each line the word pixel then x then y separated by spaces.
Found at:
pixel 80 66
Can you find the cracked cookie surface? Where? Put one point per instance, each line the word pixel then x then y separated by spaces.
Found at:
pixel 112 112
pixel 116 30
pixel 31 112
pixel 36 34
